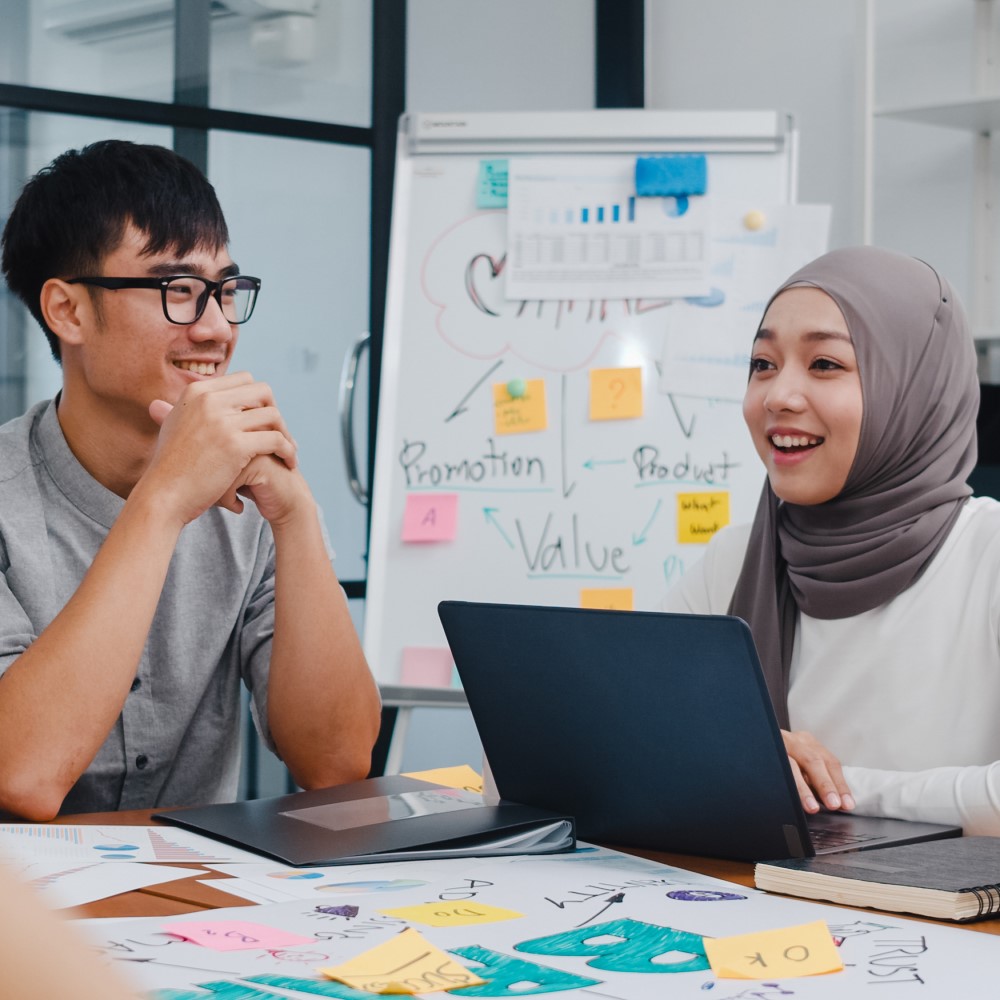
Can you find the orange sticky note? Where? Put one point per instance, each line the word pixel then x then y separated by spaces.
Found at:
pixel 615 393
pixel 700 516
pixel 615 598
pixel 452 914
pixel 426 666
pixel 460 776
pixel 805 950
pixel 525 413
pixel 406 963
pixel 430 517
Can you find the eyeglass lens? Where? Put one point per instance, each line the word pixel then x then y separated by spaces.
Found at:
pixel 185 299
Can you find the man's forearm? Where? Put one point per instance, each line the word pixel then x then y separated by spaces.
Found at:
pixel 60 699
pixel 323 705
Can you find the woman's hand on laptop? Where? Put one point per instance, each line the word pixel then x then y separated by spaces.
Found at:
pixel 817 773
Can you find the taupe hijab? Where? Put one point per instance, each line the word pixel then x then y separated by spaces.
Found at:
pixel 907 484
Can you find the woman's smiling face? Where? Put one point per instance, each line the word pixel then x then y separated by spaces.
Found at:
pixel 803 403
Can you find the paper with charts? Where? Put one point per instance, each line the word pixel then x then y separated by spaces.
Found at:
pixel 113 843
pixel 62 884
pixel 593 925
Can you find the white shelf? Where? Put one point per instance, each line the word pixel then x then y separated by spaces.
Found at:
pixel 974 114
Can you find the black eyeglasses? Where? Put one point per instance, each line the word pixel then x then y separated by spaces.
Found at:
pixel 185 296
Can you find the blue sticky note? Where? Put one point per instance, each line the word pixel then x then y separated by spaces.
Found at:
pixel 673 174
pixel 491 188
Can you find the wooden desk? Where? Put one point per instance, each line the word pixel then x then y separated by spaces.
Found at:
pixel 188 895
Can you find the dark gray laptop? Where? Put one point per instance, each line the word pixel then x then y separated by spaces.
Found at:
pixel 653 730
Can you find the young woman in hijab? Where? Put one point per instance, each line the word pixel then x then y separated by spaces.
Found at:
pixel 870 577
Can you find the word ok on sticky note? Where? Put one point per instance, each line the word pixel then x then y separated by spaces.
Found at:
pixel 805 950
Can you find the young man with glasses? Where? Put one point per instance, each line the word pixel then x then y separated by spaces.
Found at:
pixel 137 584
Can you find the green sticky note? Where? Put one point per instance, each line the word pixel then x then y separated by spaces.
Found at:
pixel 491 188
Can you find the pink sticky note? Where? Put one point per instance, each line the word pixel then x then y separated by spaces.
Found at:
pixel 430 517
pixel 426 666
pixel 232 935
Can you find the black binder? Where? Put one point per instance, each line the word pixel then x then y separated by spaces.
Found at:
pixel 379 819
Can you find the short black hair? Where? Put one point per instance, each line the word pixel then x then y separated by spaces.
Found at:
pixel 75 211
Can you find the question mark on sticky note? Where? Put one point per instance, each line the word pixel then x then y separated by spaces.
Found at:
pixel 615 393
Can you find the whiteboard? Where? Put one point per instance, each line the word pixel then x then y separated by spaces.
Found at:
pixel 583 504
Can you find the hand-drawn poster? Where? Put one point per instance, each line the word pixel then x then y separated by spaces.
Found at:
pixel 589 926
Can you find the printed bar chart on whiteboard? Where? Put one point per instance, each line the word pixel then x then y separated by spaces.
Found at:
pixel 578 231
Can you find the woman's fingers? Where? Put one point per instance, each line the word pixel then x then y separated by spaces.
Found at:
pixel 819 776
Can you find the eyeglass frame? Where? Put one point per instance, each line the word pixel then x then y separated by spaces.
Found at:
pixel 213 290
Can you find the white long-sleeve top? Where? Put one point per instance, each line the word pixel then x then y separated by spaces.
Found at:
pixel 906 695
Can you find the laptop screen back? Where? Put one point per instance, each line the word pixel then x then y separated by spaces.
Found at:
pixel 653 730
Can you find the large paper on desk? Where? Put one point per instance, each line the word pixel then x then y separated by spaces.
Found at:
pixel 589 926
pixel 393 818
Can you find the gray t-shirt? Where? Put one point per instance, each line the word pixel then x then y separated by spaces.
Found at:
pixel 177 739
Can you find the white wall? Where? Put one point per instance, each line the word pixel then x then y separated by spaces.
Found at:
pixel 808 57
pixel 516 55
pixel 802 56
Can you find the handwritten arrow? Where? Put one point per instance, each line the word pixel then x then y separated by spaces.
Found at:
pixel 618 897
pixel 686 429
pixel 490 519
pixel 460 406
pixel 567 488
pixel 641 537
pixel 591 463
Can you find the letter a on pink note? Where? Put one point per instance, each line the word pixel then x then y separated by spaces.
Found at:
pixel 430 517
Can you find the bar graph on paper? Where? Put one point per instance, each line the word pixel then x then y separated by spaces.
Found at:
pixel 60 884
pixel 56 877
pixel 577 231
pixel 585 214
pixel 113 843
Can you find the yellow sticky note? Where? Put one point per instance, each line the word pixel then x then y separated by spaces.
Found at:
pixel 461 776
pixel 406 963
pixel 525 413
pixel 805 950
pixel 452 914
pixel 615 598
pixel 701 515
pixel 615 393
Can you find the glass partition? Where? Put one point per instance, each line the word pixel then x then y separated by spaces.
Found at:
pixel 298 217
pixel 29 141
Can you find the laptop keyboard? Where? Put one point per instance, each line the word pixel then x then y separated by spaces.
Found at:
pixel 824 837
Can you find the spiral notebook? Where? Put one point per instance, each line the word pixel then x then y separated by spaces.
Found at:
pixel 956 879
